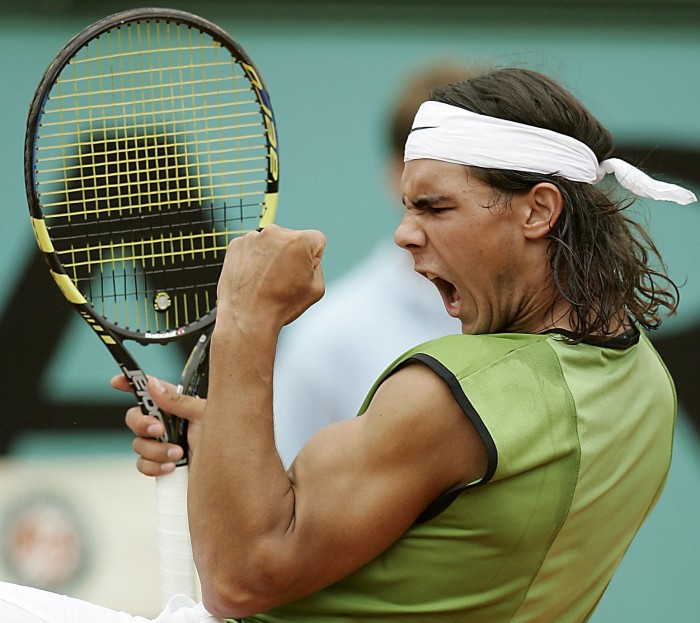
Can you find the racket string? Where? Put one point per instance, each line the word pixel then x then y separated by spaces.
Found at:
pixel 148 162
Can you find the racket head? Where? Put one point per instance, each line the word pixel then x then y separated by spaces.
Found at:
pixel 151 142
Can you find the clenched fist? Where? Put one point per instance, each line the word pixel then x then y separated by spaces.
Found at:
pixel 273 275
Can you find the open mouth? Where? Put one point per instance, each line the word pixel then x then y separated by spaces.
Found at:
pixel 448 292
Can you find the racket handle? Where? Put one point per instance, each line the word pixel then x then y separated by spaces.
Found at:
pixel 177 570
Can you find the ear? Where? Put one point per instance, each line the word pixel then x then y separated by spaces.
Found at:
pixel 544 206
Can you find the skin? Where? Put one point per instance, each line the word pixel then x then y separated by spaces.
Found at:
pixel 262 536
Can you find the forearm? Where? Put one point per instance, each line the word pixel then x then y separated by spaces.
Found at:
pixel 241 503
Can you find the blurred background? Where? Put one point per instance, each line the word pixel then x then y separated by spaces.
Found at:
pixel 74 515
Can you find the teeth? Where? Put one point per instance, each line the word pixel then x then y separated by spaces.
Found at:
pixel 430 276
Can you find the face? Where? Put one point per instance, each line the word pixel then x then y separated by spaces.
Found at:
pixel 473 253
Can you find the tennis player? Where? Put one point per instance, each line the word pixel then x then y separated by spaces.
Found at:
pixel 498 475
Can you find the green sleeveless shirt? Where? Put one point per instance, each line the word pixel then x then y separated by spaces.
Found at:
pixel 579 443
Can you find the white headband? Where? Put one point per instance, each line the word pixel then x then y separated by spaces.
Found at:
pixel 452 134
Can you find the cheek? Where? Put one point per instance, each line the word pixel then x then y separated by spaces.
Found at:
pixel 486 263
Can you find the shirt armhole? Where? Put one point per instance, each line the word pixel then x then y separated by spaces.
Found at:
pixel 441 503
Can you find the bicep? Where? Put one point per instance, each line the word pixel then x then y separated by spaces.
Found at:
pixel 360 484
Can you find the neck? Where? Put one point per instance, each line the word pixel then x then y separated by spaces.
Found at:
pixel 560 314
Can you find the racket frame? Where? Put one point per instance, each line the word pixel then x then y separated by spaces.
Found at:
pixel 107 329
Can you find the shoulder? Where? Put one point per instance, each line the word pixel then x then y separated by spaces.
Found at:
pixel 464 355
pixel 488 378
pixel 454 358
pixel 415 409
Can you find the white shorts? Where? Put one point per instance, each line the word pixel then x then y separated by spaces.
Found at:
pixel 20 604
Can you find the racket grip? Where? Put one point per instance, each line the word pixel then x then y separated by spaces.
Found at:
pixel 178 573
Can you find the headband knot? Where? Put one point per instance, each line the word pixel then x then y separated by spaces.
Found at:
pixel 452 134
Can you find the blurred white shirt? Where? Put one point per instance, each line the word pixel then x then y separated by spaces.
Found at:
pixel 329 358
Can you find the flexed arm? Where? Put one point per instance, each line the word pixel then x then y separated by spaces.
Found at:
pixel 263 536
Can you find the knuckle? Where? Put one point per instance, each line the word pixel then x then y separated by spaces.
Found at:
pixel 145 467
pixel 137 444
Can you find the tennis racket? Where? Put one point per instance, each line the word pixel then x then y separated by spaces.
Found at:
pixel 150 143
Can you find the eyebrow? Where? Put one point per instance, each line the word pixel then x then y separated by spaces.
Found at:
pixel 426 202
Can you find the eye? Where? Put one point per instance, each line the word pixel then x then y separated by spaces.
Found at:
pixel 434 210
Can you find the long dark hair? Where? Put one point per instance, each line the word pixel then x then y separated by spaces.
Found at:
pixel 600 258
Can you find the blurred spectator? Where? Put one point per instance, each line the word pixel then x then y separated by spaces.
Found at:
pixel 324 366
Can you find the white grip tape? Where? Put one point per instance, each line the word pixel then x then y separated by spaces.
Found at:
pixel 177 570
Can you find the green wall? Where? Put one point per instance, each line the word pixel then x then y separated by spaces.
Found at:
pixel 332 75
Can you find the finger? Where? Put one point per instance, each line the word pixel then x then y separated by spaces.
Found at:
pixel 150 468
pixel 270 229
pixel 154 451
pixel 319 282
pixel 167 397
pixel 170 400
pixel 118 381
pixel 144 425
pixel 317 242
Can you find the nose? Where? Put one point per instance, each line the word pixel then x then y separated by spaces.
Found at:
pixel 409 234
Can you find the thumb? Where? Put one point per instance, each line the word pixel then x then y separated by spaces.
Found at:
pixel 317 241
pixel 170 400
pixel 166 397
